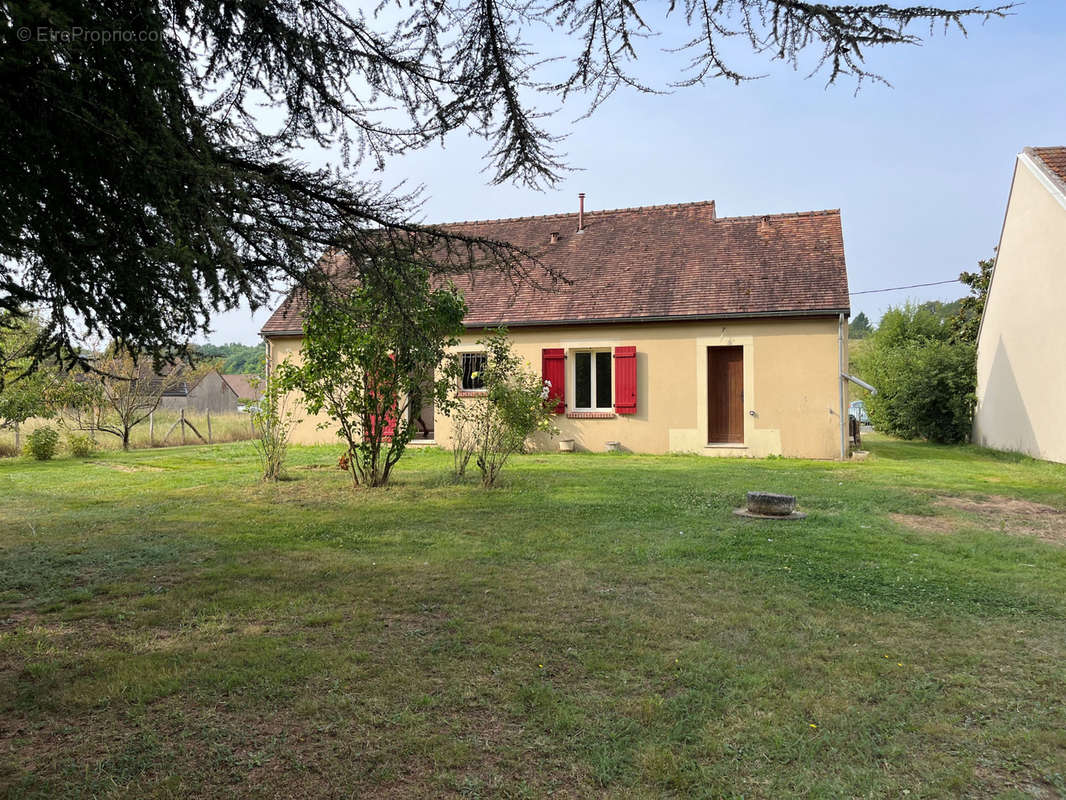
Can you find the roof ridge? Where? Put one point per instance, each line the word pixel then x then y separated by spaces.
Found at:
pixel 564 214
pixel 824 212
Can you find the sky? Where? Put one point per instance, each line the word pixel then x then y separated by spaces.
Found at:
pixel 920 170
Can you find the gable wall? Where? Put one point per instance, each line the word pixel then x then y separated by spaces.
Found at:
pixel 1021 382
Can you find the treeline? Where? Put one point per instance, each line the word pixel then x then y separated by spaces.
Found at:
pixel 234 357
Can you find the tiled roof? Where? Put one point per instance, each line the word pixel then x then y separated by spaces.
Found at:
pixel 241 384
pixel 655 263
pixel 1054 159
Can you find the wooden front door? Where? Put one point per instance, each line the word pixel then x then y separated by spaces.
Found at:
pixel 725 395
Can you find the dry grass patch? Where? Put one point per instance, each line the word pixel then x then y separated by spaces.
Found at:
pixel 994 513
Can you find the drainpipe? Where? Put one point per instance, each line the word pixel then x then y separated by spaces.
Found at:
pixel 843 383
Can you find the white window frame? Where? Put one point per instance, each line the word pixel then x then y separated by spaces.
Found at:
pixel 572 379
pixel 463 353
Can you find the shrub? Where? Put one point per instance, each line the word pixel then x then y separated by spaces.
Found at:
pixel 81 445
pixel 273 422
pixel 492 427
pixel 925 389
pixel 42 443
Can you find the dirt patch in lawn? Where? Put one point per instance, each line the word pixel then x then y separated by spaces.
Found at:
pixel 1015 517
pixel 128 468
pixel 926 524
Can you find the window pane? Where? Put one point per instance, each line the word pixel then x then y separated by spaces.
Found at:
pixel 583 380
pixel 473 364
pixel 603 380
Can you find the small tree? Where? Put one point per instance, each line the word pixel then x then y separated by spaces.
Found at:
pixel 121 394
pixel 491 427
pixel 371 354
pixel 273 420
pixel 967 322
pixel 860 327
pixel 25 389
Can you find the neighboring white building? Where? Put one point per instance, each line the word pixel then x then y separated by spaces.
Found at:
pixel 1021 349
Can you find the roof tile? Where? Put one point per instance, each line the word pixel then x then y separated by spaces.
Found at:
pixel 1054 159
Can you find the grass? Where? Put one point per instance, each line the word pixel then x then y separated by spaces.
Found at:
pixel 600 626
pixel 224 428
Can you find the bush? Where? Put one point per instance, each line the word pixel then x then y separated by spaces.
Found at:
pixel 42 443
pixel 492 427
pixel 925 389
pixel 81 445
pixel 273 422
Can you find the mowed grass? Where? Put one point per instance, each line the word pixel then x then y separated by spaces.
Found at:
pixel 600 626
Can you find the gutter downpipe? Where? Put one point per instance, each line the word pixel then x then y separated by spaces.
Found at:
pixel 843 382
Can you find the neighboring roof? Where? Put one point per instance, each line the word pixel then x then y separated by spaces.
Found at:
pixel 1053 160
pixel 241 385
pixel 652 263
pixel 177 390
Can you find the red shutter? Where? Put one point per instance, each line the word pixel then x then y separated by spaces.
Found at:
pixel 553 368
pixel 390 415
pixel 625 380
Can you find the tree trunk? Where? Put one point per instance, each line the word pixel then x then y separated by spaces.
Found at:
pixel 125 438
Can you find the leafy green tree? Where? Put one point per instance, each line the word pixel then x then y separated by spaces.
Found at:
pixel 860 327
pixel 491 427
pixel 967 322
pixel 235 357
pixel 26 389
pixel 371 353
pixel 926 382
pixel 914 323
pixel 142 188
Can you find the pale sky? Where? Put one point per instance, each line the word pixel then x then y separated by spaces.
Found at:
pixel 920 170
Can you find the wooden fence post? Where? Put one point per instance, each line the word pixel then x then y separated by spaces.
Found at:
pixel 209 439
pixel 151 429
pixel 18 440
pixel 183 426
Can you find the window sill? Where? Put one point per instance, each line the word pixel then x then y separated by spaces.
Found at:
pixel 590 415
pixel 472 393
pixel 725 446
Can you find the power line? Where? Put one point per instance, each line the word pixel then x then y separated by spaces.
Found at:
pixel 912 286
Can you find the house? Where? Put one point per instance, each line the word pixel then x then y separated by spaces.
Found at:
pixel 245 387
pixel 680 331
pixel 219 394
pixel 1021 381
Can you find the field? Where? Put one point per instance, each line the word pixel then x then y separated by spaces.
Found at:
pixel 600 626
pixel 224 428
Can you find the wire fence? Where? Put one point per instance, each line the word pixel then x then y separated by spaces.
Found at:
pixel 163 428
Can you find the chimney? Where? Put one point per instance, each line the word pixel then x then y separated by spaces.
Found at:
pixel 555 237
pixel 580 212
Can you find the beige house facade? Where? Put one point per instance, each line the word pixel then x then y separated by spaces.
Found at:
pixel 680 332
pixel 1021 347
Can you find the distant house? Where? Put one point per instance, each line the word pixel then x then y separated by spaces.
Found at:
pixel 243 386
pixel 680 331
pixel 1021 380
pixel 219 394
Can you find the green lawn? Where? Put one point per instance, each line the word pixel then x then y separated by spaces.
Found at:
pixel 600 626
